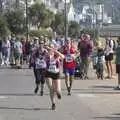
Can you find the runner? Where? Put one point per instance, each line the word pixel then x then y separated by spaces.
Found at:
pixel 53 74
pixel 69 64
pixel 39 67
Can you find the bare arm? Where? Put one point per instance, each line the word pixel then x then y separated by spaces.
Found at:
pixel 57 52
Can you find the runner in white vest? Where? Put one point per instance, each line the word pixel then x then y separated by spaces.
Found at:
pixel 53 74
pixel 39 65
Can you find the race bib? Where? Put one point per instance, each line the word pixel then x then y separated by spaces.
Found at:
pixel 53 68
pixel 69 58
pixel 40 63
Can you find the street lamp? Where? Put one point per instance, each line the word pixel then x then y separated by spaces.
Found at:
pixel 66 30
pixel 27 29
pixel 66 19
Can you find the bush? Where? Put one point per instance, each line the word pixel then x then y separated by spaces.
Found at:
pixel 91 32
pixel 3 28
pixel 42 32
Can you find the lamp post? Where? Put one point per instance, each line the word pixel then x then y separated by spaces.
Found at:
pixel 27 29
pixel 66 21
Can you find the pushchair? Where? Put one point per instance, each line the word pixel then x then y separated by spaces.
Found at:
pixel 78 67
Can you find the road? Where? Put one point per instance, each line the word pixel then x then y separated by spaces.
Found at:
pixel 91 99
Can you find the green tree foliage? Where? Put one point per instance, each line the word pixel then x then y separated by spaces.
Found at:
pixel 91 32
pixel 16 21
pixel 42 32
pixel 40 16
pixel 58 23
pixel 74 29
pixel 3 28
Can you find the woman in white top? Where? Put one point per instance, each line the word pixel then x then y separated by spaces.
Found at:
pixel 53 74
pixel 109 56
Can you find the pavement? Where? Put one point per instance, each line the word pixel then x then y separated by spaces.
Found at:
pixel 90 100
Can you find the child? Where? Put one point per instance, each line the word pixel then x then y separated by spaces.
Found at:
pixel 100 63
pixel 118 62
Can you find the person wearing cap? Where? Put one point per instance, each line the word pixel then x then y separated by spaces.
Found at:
pixel 38 60
pixel 118 62
pixel 69 64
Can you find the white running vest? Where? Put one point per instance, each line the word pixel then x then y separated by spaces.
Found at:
pixel 40 63
pixel 53 66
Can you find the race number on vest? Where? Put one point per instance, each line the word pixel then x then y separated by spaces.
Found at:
pixel 52 67
pixel 40 63
pixel 69 58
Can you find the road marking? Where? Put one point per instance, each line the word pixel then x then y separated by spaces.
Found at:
pixel 3 97
pixel 86 95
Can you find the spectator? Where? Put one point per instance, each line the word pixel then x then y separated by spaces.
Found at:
pixel 6 51
pixel 18 52
pixel 118 63
pixel 109 57
pixel 85 48
pixel 1 58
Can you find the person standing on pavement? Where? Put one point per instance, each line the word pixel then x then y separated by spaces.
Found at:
pixel 85 48
pixel 53 73
pixel 69 64
pixel 6 51
pixel 18 51
pixel 109 57
pixel 39 67
pixel 1 56
pixel 118 62
pixel 12 55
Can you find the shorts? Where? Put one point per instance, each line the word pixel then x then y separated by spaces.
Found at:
pixel 53 76
pixel 117 68
pixel 109 57
pixel 40 75
pixel 69 71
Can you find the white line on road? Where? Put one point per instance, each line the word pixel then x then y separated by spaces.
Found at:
pixel 86 95
pixel 3 97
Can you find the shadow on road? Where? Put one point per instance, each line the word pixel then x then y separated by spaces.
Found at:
pixel 103 86
pixel 19 94
pixel 26 109
pixel 108 118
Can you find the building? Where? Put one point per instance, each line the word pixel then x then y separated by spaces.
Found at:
pixel 92 12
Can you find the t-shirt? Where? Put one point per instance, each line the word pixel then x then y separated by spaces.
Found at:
pixel 118 55
pixel 18 47
pixel 85 48
pixel 69 61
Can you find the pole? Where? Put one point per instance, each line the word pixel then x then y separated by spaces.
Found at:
pixel 94 18
pixel 66 22
pixel 27 29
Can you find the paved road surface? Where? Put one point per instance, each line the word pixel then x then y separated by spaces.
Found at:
pixel 91 99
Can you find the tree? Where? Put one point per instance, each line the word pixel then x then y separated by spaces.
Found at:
pixel 1 6
pixel 3 28
pixel 74 29
pixel 16 21
pixel 40 16
pixel 58 23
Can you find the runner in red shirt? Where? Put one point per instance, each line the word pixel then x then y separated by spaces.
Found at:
pixel 69 64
